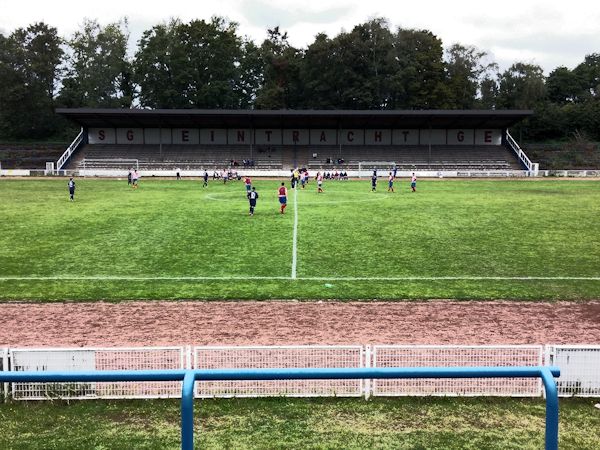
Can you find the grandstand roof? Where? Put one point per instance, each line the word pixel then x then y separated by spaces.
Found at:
pixel 220 118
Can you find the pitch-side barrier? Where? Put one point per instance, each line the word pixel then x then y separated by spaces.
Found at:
pixel 189 377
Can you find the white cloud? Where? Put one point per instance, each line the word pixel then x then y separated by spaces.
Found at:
pixel 548 33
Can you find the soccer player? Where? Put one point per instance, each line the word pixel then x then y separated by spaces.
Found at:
pixel 413 182
pixel 319 183
pixel 129 178
pixel 391 183
pixel 248 184
pixel 205 184
pixel 71 189
pixel 374 181
pixel 252 197
pixel 178 172
pixel 134 179
pixel 283 197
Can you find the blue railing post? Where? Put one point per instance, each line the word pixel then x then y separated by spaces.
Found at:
pixel 187 411
pixel 551 409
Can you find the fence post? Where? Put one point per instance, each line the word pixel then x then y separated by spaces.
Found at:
pixel 187 411
pixel 551 409
pixel 367 363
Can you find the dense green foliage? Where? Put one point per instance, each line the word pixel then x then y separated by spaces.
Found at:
pixel 117 243
pixel 207 64
pixel 403 423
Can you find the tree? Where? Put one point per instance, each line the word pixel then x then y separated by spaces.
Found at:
pixel 281 87
pixel 588 73
pixel 564 86
pixel 249 78
pixel 419 81
pixel 522 86
pixel 466 68
pixel 98 74
pixel 194 65
pixel 30 61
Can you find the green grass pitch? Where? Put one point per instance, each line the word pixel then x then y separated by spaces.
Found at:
pixel 461 239
pixel 275 423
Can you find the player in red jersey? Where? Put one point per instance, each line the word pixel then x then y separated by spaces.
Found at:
pixel 283 197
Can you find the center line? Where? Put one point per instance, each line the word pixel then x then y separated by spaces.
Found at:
pixel 295 235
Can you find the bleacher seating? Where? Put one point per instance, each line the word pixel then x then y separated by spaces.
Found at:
pixel 189 157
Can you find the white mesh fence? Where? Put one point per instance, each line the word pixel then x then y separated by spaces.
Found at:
pixel 579 369
pixel 455 356
pixel 84 359
pixel 350 356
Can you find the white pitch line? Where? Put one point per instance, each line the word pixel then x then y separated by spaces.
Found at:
pixel 295 235
pixel 250 278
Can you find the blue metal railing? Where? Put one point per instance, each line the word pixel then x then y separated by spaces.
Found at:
pixel 189 377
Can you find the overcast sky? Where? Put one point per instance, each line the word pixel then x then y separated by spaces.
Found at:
pixel 550 33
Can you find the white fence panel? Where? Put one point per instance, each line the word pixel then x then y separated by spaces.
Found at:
pixel 141 358
pixel 579 369
pixel 454 356
pixel 312 356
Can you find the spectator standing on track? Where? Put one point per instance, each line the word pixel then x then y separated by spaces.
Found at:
pixel 178 173
pixel 283 197
pixel 391 183
pixel 374 181
pixel 71 185
pixel 129 178
pixel 205 184
pixel 252 197
pixel 413 182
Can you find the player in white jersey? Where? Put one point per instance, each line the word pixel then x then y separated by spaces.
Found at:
pixel 319 183
pixel 413 182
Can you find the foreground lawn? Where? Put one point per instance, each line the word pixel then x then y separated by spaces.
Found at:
pixel 407 423
pixel 525 239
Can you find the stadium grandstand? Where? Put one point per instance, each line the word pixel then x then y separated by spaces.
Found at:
pixel 437 140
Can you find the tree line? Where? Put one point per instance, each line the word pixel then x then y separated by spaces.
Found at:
pixel 208 64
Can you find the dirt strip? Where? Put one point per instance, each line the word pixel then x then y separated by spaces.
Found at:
pixel 279 323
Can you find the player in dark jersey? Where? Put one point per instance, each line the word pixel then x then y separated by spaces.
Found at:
pixel 205 184
pixel 252 197
pixel 283 197
pixel 374 181
pixel 71 189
